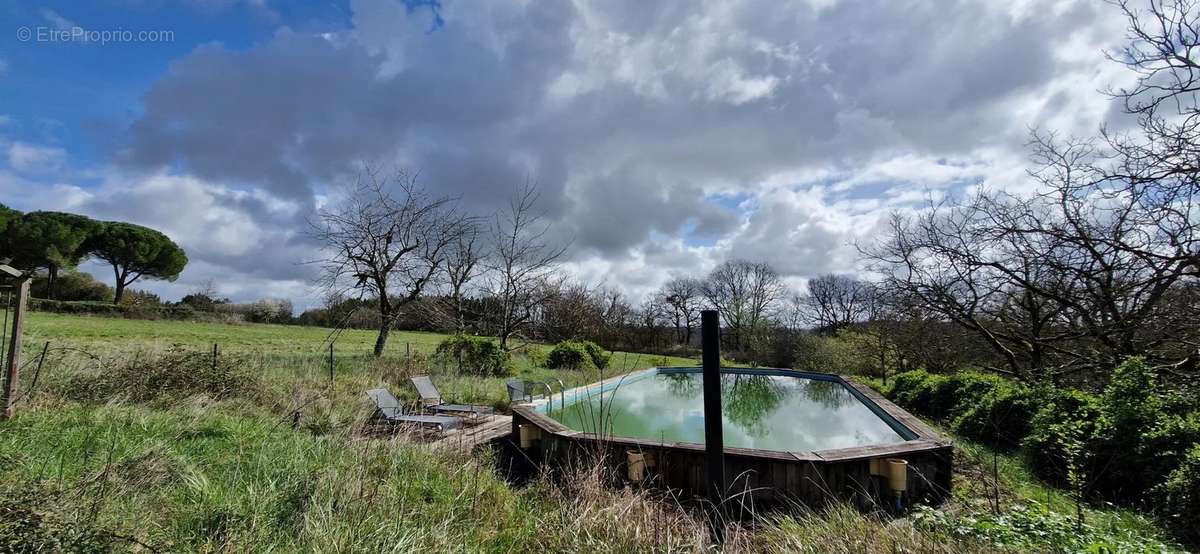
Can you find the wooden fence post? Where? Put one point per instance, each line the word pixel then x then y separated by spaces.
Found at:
pixel 13 369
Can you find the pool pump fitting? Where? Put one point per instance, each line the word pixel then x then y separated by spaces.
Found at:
pixel 529 433
pixel 637 463
pixel 895 472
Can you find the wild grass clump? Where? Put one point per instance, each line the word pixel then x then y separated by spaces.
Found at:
pixel 172 376
pixel 842 529
pixel 583 511
pixel 30 522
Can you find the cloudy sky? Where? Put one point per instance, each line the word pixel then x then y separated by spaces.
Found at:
pixel 665 136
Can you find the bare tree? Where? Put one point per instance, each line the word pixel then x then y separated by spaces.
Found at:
pixel 384 244
pixel 836 301
pixel 522 265
pixel 795 313
pixel 743 292
pixel 573 311
pixel 682 296
pixel 1070 280
pixel 463 264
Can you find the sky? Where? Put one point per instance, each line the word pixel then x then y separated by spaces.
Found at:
pixel 665 137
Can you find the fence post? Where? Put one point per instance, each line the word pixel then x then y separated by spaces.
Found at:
pixel 214 356
pixel 12 372
pixel 714 443
pixel 331 362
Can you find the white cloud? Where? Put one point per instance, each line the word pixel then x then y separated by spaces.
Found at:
pixel 638 119
pixel 32 158
pixel 61 23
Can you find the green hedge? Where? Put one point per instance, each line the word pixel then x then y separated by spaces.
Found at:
pixel 577 354
pixel 981 406
pixel 474 355
pixel 108 309
pixel 1134 444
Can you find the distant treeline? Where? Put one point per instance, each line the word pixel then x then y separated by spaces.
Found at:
pixel 79 293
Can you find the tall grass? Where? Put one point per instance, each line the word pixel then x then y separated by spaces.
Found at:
pixel 146 447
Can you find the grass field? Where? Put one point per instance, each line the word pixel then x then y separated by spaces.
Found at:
pixel 133 441
pixel 286 352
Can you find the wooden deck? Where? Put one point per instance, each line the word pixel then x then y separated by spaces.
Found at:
pixel 468 438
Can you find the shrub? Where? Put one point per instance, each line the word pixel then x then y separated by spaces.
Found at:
pixel 474 355
pixel 1133 406
pixel 811 353
pixel 1067 427
pixel 538 357
pixel 1178 497
pixel 998 414
pixel 577 354
pixel 1033 527
pixel 928 393
pixel 72 285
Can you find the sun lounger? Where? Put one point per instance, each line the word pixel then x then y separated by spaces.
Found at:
pixel 389 409
pixel 433 399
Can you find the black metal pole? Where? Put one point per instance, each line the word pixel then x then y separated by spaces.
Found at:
pixel 714 442
pixel 331 362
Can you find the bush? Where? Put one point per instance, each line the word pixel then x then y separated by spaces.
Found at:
pixel 1178 497
pixel 997 414
pixel 981 406
pixel 577 354
pixel 474 355
pixel 1135 444
pixel 1032 527
pixel 1064 432
pixel 810 353
pixel 182 312
pixel 72 286
pixel 928 393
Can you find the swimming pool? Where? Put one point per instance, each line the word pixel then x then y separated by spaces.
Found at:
pixel 789 436
pixel 768 410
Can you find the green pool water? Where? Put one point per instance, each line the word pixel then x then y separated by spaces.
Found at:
pixel 769 412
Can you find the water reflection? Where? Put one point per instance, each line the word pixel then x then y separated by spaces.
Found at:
pixel 747 399
pixel 760 411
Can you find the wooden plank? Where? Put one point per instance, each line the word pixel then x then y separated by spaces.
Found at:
pixel 468 438
pixel 877 451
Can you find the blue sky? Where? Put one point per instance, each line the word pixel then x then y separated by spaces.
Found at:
pixel 76 94
pixel 665 137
